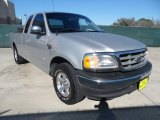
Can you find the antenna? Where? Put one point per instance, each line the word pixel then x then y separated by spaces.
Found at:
pixel 53 5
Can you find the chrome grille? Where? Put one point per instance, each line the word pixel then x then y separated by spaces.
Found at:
pixel 133 60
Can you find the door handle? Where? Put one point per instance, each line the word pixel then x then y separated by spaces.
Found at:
pixel 49 46
pixel 28 40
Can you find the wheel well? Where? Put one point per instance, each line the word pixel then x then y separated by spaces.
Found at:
pixel 57 60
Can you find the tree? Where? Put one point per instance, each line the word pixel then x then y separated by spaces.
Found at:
pixel 125 22
pixel 157 23
pixel 143 22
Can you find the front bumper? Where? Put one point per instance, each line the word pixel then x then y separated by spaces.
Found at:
pixel 110 85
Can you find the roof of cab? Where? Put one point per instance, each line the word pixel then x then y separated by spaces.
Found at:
pixel 55 13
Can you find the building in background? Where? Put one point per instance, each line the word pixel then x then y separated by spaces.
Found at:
pixel 7 12
pixel 18 20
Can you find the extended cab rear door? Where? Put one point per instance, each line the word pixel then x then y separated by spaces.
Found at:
pixel 26 39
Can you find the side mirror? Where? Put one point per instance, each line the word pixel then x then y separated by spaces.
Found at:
pixel 36 30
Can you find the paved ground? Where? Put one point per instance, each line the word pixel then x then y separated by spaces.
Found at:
pixel 27 93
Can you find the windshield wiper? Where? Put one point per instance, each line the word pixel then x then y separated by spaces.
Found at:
pixel 90 30
pixel 95 31
pixel 68 30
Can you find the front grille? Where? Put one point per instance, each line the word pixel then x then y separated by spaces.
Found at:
pixel 133 60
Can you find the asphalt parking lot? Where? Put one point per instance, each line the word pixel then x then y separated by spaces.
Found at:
pixel 27 93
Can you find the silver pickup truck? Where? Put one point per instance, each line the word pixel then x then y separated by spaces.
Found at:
pixel 83 60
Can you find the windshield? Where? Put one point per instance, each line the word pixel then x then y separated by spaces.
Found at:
pixel 65 22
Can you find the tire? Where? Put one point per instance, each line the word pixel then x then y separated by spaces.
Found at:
pixel 18 59
pixel 64 75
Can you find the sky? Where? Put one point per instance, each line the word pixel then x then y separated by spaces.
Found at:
pixel 102 12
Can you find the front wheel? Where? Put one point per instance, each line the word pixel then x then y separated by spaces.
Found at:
pixel 66 84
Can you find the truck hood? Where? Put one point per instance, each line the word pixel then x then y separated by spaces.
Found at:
pixel 103 42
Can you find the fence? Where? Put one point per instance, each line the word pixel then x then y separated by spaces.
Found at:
pixel 4 34
pixel 149 36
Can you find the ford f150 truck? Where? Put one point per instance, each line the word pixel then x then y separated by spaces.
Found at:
pixel 83 60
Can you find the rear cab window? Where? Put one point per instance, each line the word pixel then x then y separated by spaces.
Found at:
pixel 57 23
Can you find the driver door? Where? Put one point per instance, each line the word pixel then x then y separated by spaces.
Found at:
pixel 38 44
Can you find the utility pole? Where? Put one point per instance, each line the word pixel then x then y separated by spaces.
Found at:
pixel 26 17
pixel 53 5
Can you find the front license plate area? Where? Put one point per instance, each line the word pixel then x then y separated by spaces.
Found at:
pixel 143 84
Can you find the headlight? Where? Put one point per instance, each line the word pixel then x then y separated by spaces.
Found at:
pixel 99 61
pixel 146 55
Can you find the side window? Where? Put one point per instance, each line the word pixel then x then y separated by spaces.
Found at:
pixel 39 21
pixel 83 24
pixel 27 24
pixel 86 25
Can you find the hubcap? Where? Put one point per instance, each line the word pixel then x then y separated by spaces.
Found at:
pixel 63 84
pixel 15 55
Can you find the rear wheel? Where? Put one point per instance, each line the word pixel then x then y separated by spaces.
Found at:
pixel 66 84
pixel 18 59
